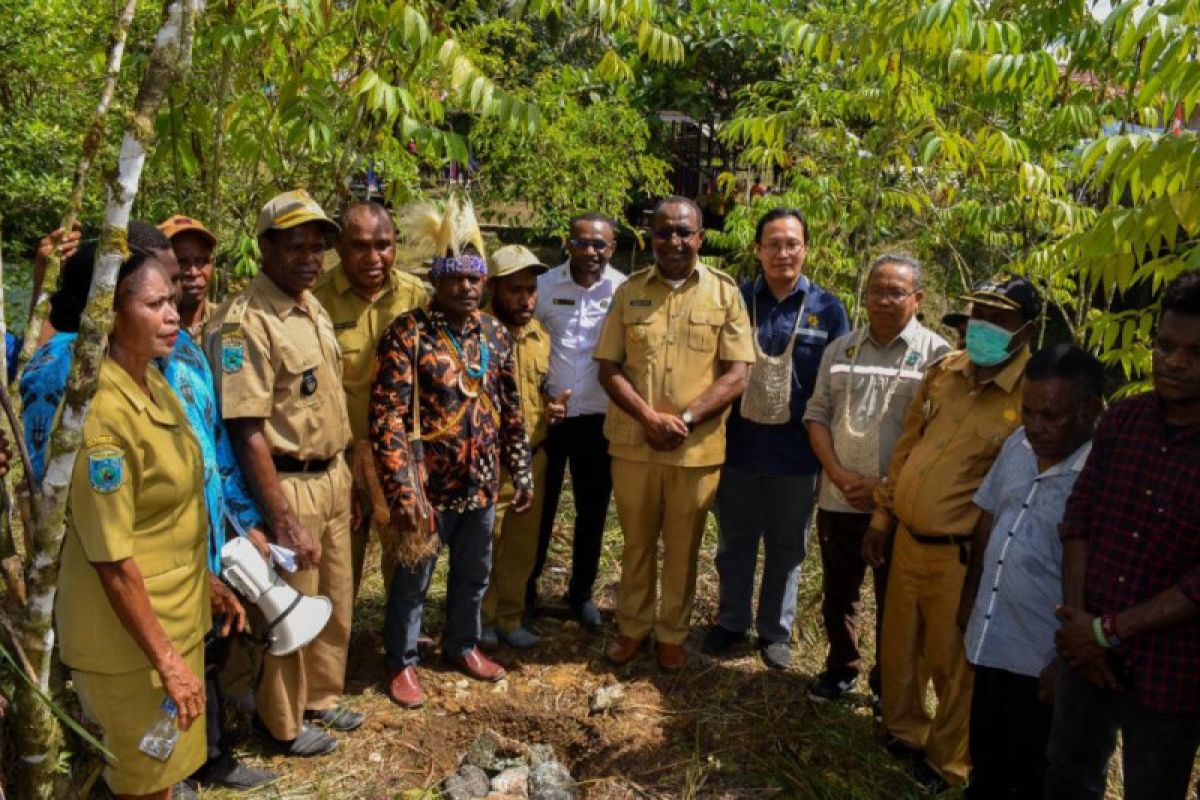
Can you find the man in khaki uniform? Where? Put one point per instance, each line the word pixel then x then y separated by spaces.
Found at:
pixel 966 406
pixel 362 295
pixel 278 372
pixel 513 286
pixel 673 355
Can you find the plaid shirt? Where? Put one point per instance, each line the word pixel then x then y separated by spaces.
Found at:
pixel 1135 504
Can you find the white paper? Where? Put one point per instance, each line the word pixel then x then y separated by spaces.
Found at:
pixel 285 559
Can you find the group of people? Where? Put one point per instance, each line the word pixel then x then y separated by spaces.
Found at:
pixel 1034 557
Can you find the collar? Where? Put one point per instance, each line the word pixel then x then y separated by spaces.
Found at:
pixel 124 383
pixel 562 274
pixel 342 285
pixel 908 335
pixel 697 274
pixel 277 300
pixel 1073 463
pixel 1007 378
pixel 531 330
pixel 803 286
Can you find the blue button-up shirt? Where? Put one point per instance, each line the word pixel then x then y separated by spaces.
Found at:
pixel 784 449
pixel 228 497
pixel 1012 625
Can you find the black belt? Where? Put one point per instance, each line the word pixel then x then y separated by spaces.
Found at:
pixel 963 542
pixel 289 464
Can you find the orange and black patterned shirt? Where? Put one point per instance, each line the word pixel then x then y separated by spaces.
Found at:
pixel 469 425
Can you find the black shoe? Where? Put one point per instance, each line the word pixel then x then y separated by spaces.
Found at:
pixel 902 750
pixel 929 778
pixel 719 641
pixel 776 655
pixel 226 772
pixel 339 719
pixel 310 741
pixel 832 685
pixel 588 616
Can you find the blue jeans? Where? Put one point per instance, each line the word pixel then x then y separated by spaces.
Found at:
pixel 1157 749
pixel 773 509
pixel 469 538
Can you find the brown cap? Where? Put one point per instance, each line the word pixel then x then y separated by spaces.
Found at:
pixel 173 226
pixel 291 209
pixel 513 258
pixel 1008 292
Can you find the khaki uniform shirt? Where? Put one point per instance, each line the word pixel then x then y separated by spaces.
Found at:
pixel 872 385
pixel 670 344
pixel 531 352
pixel 359 324
pixel 196 329
pixel 953 432
pixel 137 492
pixel 277 359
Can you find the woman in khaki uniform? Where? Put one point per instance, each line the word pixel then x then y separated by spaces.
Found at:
pixel 133 597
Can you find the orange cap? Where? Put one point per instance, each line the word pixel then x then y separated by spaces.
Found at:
pixel 173 226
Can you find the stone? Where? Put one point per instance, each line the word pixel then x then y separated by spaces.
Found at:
pixel 455 788
pixel 512 781
pixel 475 780
pixel 550 780
pixel 492 753
pixel 539 754
pixel 606 698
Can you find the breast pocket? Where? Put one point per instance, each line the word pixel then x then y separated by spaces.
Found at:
pixel 642 339
pixel 290 391
pixel 704 327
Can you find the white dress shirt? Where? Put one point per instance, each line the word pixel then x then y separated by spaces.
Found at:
pixel 573 316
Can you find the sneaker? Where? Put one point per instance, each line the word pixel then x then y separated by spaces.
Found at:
pixel 588 616
pixel 519 637
pixel 309 743
pixel 719 641
pixel 776 655
pixel 226 772
pixel 832 685
pixel 929 778
pixel 488 639
pixel 339 719
pixel 902 750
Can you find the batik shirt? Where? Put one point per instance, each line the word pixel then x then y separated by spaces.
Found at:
pixel 464 439
pixel 228 497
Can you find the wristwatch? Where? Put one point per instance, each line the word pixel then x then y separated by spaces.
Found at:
pixel 688 419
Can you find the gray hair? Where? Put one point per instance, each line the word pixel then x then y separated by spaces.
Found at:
pixel 904 260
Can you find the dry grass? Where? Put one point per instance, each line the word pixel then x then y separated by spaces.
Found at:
pixel 720 729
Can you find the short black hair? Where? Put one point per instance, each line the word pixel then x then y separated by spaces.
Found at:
pixel 1070 363
pixel 781 212
pixel 377 210
pixel 902 259
pixel 593 216
pixel 146 239
pixel 677 199
pixel 1182 295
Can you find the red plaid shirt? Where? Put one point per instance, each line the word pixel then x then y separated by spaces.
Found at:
pixel 1137 505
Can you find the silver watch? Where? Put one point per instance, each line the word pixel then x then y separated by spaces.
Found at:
pixel 688 419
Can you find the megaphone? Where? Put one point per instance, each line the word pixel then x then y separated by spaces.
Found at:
pixel 293 620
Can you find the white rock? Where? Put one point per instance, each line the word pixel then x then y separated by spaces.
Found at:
pixel 512 781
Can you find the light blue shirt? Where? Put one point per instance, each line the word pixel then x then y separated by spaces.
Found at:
pixel 1012 625
pixel 228 497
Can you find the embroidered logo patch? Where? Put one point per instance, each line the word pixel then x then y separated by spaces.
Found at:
pixel 233 354
pixel 912 358
pixel 106 470
pixel 1010 415
pixel 813 320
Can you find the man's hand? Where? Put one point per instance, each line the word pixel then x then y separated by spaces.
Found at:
pixel 1046 683
pixel 66 242
pixel 296 538
pixel 860 492
pixel 417 515
pixel 226 604
pixel 184 687
pixel 258 538
pixel 556 408
pixel 874 548
pixel 522 501
pixel 1078 648
pixel 664 431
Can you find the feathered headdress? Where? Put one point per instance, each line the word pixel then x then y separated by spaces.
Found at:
pixel 443 234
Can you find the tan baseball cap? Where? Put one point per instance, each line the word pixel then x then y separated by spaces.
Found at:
pixel 177 224
pixel 514 258
pixel 290 209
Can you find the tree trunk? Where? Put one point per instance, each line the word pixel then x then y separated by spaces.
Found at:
pixel 40 736
pixel 91 145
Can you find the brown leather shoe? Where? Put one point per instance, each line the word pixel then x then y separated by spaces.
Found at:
pixel 479 666
pixel 405 689
pixel 671 657
pixel 621 650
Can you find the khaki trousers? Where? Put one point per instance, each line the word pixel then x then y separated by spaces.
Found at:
pixel 920 638
pixel 514 551
pixel 363 528
pixel 660 501
pixel 312 678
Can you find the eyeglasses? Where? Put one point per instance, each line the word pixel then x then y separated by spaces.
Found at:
pixel 785 246
pixel 665 234
pixel 589 244
pixel 895 295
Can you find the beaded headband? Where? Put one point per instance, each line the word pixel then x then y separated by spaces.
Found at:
pixel 467 263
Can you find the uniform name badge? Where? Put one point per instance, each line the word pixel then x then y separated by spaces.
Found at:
pixel 233 354
pixel 106 470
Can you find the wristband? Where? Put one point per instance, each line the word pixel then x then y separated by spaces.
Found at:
pixel 1098 631
pixel 1108 624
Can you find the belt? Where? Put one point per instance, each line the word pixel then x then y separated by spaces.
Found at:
pixel 289 464
pixel 962 541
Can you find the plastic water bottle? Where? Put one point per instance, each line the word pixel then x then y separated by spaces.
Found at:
pixel 159 739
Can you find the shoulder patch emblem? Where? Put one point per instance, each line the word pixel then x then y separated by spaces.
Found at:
pixel 233 354
pixel 850 351
pixel 813 320
pixel 106 470
pixel 912 358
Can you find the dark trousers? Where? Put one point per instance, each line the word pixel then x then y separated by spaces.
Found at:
pixel 216 651
pixel 1157 750
pixel 1009 732
pixel 841 535
pixel 579 442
